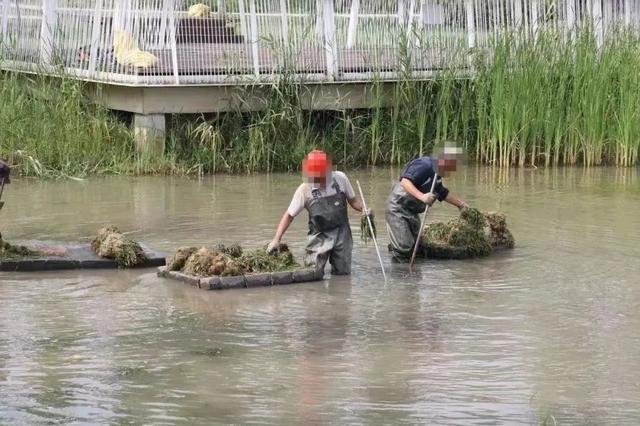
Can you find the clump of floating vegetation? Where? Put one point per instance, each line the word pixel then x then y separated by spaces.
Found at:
pixel 230 261
pixel 472 234
pixel 110 243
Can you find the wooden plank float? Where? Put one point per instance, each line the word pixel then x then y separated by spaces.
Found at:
pixel 261 279
pixel 65 256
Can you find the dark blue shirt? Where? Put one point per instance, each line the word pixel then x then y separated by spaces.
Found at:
pixel 421 172
pixel 5 171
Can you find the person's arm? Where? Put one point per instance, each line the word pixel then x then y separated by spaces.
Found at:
pixel 356 204
pixel 284 224
pixel 296 206
pixel 408 186
pixel 454 200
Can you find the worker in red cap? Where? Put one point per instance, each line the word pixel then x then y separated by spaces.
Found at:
pixel 5 179
pixel 325 195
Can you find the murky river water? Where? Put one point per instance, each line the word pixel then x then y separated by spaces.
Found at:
pixel 548 332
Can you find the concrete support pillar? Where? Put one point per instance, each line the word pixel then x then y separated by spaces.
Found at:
pixel 149 131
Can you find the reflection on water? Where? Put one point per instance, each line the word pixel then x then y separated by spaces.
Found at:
pixel 546 332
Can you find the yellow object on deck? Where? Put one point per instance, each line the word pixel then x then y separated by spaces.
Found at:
pixel 128 53
pixel 199 10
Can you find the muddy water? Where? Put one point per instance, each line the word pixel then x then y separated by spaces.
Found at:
pixel 548 332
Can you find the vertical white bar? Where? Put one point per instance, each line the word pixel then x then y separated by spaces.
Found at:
pixel 627 12
pixel 412 6
pixel 243 19
pixel 402 13
pixel 471 24
pixel 319 20
pixel 47 30
pixel 420 23
pixel 222 7
pixel 352 32
pixel 535 17
pixel 95 35
pixel 570 15
pixel 255 51
pixel 331 51
pixel 174 47
pixel 517 13
pixel 284 22
pixel 596 15
pixel 5 20
pixel 167 8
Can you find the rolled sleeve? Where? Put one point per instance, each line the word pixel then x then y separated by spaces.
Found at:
pixel 348 188
pixel 297 202
pixel 440 190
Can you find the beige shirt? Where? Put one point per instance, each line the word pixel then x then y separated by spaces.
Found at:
pixel 303 194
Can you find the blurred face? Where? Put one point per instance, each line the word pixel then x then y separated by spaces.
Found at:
pixel 447 165
pixel 448 154
pixel 317 168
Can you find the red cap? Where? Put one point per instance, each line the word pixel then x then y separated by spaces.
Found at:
pixel 317 164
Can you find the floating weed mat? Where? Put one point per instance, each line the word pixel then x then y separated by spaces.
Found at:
pixel 227 261
pixel 365 231
pixel 472 234
pixel 14 252
pixel 112 244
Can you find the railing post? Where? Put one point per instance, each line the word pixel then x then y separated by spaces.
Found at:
pixel 535 6
pixel 627 12
pixel 319 20
pixel 222 7
pixel 243 19
pixel 284 22
pixel 95 36
pixel 352 32
pixel 253 23
pixel 412 6
pixel 517 14
pixel 471 24
pixel 596 15
pixel 402 13
pixel 48 30
pixel 164 18
pixel 174 44
pixel 331 52
pixel 570 16
pixel 421 21
pixel 5 23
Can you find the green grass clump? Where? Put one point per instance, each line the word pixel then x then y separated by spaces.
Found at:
pixel 261 261
pixel 16 252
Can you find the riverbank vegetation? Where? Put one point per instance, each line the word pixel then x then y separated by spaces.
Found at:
pixel 552 100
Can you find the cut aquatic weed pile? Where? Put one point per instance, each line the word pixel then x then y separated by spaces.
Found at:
pixel 472 234
pixel 229 261
pixel 112 244
pixel 11 252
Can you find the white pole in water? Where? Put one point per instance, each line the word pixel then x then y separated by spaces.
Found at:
pixel 373 235
pixel 424 216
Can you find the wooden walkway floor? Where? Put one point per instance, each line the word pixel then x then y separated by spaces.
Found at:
pixel 237 59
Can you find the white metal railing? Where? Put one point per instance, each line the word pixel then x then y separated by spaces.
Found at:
pixel 157 42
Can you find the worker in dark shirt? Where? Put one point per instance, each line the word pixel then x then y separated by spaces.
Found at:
pixel 410 196
pixel 5 171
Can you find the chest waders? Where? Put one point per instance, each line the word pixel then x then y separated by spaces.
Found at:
pixel 402 218
pixel 329 232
